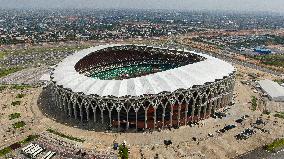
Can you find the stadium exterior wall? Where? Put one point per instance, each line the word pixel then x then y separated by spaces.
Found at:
pixel 178 96
pixel 185 105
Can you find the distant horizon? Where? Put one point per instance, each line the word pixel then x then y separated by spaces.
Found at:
pixel 151 10
pixel 271 6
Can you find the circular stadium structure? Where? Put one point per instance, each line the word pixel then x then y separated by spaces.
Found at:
pixel 138 87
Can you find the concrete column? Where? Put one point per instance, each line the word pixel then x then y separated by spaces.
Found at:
pixel 171 117
pixel 205 109
pixel 66 106
pixel 136 120
pixel 164 114
pixel 199 111
pixel 81 113
pixel 219 102
pixel 215 104
pixel 179 108
pixel 63 103
pixel 172 102
pixel 193 109
pixel 69 109
pixel 230 97
pixel 109 116
pixel 60 102
pixel 102 115
pixel 186 111
pixel 75 110
pixel 56 100
pixel 155 117
pixel 95 117
pixel 127 122
pixel 224 100
pixel 118 119
pixel 227 99
pixel 88 113
pixel 210 106
pixel 146 118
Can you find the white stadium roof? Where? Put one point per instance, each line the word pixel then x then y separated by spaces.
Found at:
pixel 183 77
pixel 272 89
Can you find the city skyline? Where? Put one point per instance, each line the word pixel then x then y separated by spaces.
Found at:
pixel 215 5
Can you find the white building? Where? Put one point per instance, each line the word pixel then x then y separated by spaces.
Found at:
pixel 274 91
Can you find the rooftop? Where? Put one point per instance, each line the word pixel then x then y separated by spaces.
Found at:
pixel 184 77
pixel 273 89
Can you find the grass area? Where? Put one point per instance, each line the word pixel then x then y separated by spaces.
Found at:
pixel 20 87
pixel 279 115
pixel 272 59
pixel 5 72
pixel 20 95
pixel 65 136
pixel 253 103
pixel 279 81
pixel 44 50
pixel 5 151
pixel 14 116
pixel 14 103
pixel 2 55
pixel 30 138
pixel 275 145
pixel 19 124
pixel 16 145
pixel 2 87
pixel 17 87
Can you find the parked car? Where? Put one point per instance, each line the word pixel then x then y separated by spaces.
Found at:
pixel 247 133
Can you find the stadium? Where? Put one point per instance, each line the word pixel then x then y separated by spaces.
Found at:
pixel 140 87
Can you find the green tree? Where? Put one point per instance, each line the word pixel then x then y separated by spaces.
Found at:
pixel 123 151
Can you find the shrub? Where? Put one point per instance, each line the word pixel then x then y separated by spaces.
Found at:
pixel 123 151
pixel 14 116
pixel 5 151
pixel 19 124
pixel 279 81
pixel 2 87
pixel 266 112
pixel 253 103
pixel 279 115
pixel 29 139
pixel 275 145
pixel 20 95
pixel 65 136
pixel 20 87
pixel 16 103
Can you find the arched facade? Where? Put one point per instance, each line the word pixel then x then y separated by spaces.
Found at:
pixel 153 111
pixel 160 110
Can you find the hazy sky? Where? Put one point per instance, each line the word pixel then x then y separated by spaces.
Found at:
pixel 251 5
